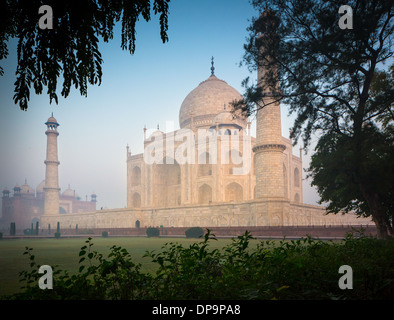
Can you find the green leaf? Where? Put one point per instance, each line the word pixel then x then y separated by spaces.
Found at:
pixel 282 288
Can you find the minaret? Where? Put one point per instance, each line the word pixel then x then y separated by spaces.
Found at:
pixel 269 146
pixel 51 188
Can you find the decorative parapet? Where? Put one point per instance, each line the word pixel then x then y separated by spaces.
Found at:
pixel 51 161
pixel 265 147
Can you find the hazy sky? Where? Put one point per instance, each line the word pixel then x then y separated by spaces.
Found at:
pixel 146 88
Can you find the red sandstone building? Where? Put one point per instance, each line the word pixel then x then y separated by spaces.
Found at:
pixel 25 206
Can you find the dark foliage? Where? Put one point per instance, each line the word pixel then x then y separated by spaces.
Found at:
pixel 153 232
pixel 71 48
pixel 301 269
pixel 194 232
pixel 336 83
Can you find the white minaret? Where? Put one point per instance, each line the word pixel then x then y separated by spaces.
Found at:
pixel 51 188
pixel 269 147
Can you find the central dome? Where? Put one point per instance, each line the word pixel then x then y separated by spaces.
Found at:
pixel 205 102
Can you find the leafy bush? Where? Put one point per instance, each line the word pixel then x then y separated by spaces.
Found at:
pixel 104 234
pixel 194 232
pixel 57 235
pixel 152 232
pixel 301 269
pixel 1 235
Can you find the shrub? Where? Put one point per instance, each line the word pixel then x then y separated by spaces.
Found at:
pixel 57 235
pixel 298 269
pixel 152 232
pixel 1 235
pixel 194 232
pixel 104 234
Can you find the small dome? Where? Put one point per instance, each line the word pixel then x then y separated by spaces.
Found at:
pixel 228 117
pixel 69 192
pixel 204 103
pixel 52 120
pixel 157 133
pixel 27 189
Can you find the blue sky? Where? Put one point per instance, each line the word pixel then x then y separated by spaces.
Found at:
pixel 146 88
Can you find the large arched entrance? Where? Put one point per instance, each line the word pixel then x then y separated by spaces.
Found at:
pixel 167 183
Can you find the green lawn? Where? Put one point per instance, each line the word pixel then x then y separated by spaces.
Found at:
pixel 64 253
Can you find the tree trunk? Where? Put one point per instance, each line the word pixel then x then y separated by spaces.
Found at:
pixel 381 227
pixel 377 212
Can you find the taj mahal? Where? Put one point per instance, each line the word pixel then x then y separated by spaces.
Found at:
pixel 210 173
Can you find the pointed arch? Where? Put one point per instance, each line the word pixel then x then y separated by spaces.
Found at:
pixel 169 173
pixel 233 192
pixel 168 180
pixel 136 176
pixel 285 182
pixel 136 200
pixel 296 177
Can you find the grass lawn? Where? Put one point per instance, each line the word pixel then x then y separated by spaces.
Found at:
pixel 64 253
